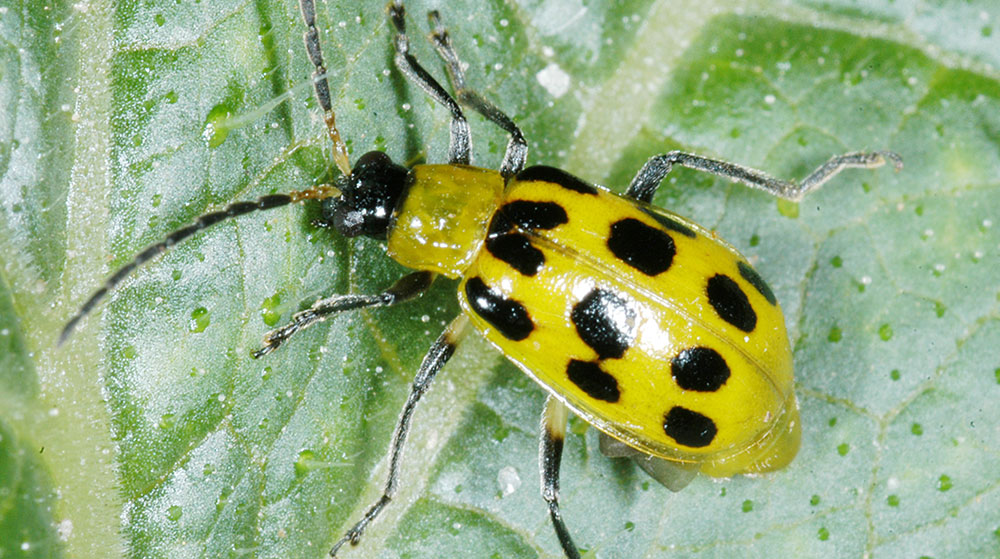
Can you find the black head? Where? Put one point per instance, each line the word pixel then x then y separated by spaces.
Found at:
pixel 368 197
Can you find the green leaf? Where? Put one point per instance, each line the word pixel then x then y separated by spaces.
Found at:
pixel 153 433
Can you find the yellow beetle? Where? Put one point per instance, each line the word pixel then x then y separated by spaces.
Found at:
pixel 641 322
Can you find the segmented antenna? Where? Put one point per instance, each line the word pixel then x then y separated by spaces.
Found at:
pixel 202 222
pixel 322 88
pixel 311 37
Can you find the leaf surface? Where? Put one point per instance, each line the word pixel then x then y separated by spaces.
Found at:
pixel 153 433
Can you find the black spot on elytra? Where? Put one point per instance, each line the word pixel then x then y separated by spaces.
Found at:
pixel 670 223
pixel 593 380
pixel 754 279
pixel 731 303
pixel 556 176
pixel 499 225
pixel 603 321
pixel 530 215
pixel 506 315
pixel 689 428
pixel 641 246
pixel 515 249
pixel 699 368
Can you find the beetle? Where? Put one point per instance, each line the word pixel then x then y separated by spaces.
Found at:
pixel 641 322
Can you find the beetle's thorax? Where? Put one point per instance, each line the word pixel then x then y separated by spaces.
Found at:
pixel 440 223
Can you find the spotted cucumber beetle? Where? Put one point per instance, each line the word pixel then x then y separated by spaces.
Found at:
pixel 641 322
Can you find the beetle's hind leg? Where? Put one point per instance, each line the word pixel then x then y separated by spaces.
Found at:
pixel 517 148
pixel 550 458
pixel 648 179
pixel 436 357
pixel 460 146
pixel 406 288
